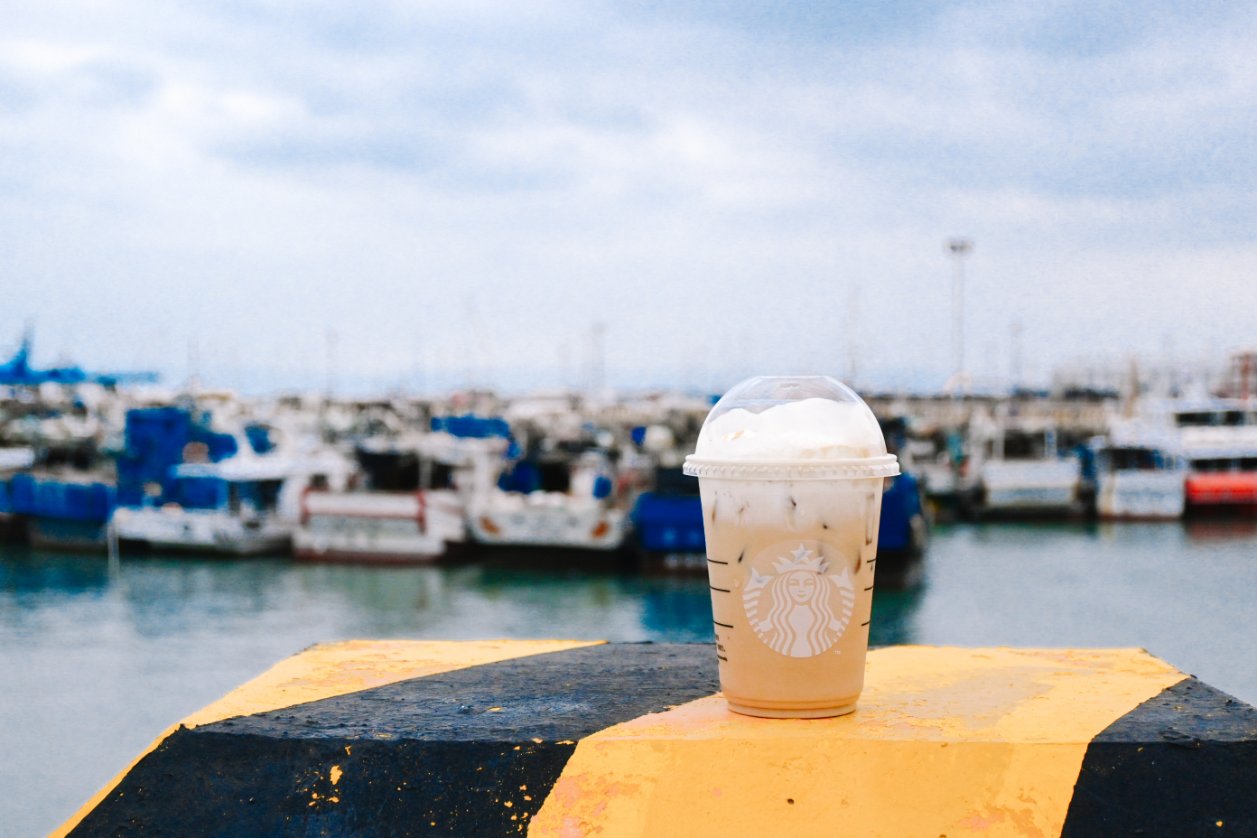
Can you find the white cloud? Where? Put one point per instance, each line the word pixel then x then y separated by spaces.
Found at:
pixel 683 178
pixel 46 57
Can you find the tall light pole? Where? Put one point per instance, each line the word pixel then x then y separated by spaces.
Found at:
pixel 958 248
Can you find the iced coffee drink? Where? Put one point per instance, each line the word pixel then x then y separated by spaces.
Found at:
pixel 790 472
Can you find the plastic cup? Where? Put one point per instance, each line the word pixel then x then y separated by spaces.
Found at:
pixel 791 470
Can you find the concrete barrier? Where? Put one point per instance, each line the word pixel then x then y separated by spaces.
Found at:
pixel 570 738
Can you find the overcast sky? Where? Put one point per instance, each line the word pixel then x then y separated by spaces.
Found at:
pixel 426 194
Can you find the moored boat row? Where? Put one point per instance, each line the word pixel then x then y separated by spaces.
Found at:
pixel 1156 461
pixel 409 480
pixel 195 479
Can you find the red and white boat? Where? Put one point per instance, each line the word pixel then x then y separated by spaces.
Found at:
pixel 383 524
pixel 1219 440
pixel 378 527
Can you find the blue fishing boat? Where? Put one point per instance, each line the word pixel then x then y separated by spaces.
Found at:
pixel 667 522
pixel 66 512
pixel 903 533
pixel 226 508
pixel 12 461
pixel 66 507
pixel 192 488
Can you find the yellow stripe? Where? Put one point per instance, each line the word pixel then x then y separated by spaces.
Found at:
pixel 945 741
pixel 333 669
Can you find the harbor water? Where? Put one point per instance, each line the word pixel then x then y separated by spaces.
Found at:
pixel 97 659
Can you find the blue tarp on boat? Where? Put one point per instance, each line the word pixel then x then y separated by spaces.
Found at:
pixel 671 520
pixel 471 426
pixel 669 523
pixel 62 500
pixel 157 440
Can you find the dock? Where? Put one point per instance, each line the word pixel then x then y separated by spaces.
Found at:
pixel 565 738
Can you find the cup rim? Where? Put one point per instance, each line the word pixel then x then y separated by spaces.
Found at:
pixel 850 468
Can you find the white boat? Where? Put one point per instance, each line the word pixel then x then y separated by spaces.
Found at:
pixel 241 532
pixel 1015 467
pixel 233 507
pixel 931 459
pixel 585 517
pixel 383 524
pixel 1140 474
pixel 546 519
pixel 16 458
pixel 378 527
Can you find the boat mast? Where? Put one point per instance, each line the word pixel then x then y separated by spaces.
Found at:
pixel 958 248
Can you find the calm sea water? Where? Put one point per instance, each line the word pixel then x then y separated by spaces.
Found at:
pixel 95 661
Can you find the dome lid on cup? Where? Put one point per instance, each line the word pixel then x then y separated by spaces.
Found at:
pixel 791 427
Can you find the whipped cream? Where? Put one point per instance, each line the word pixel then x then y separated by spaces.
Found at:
pixel 809 429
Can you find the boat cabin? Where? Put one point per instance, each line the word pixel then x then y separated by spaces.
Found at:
pixel 214 492
pixel 226 486
pixel 1135 458
pixel 1220 417
pixel 1221 464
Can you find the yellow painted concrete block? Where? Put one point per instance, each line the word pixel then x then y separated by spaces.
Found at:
pixel 331 669
pixel 945 741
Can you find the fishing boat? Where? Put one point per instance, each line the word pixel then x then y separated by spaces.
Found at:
pixel 190 484
pixel 411 506
pixel 667 522
pixel 377 527
pixel 64 509
pixel 13 460
pixel 1219 440
pixel 903 529
pixel 228 508
pixel 1139 474
pixel 580 511
pixel 934 457
pixel 61 488
pixel 903 532
pixel 1017 466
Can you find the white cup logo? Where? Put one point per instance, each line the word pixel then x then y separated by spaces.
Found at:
pixel 802 609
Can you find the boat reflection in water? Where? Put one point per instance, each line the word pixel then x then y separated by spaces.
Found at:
pixel 894 615
pixel 27 576
pixel 1219 528
pixel 681 611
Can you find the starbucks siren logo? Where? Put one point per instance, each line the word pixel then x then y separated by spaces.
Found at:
pixel 802 609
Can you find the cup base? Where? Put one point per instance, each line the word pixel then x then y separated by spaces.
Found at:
pixel 781 713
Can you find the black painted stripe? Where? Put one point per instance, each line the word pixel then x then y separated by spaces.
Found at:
pixel 1181 763
pixel 716 561
pixel 722 625
pixel 469 752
